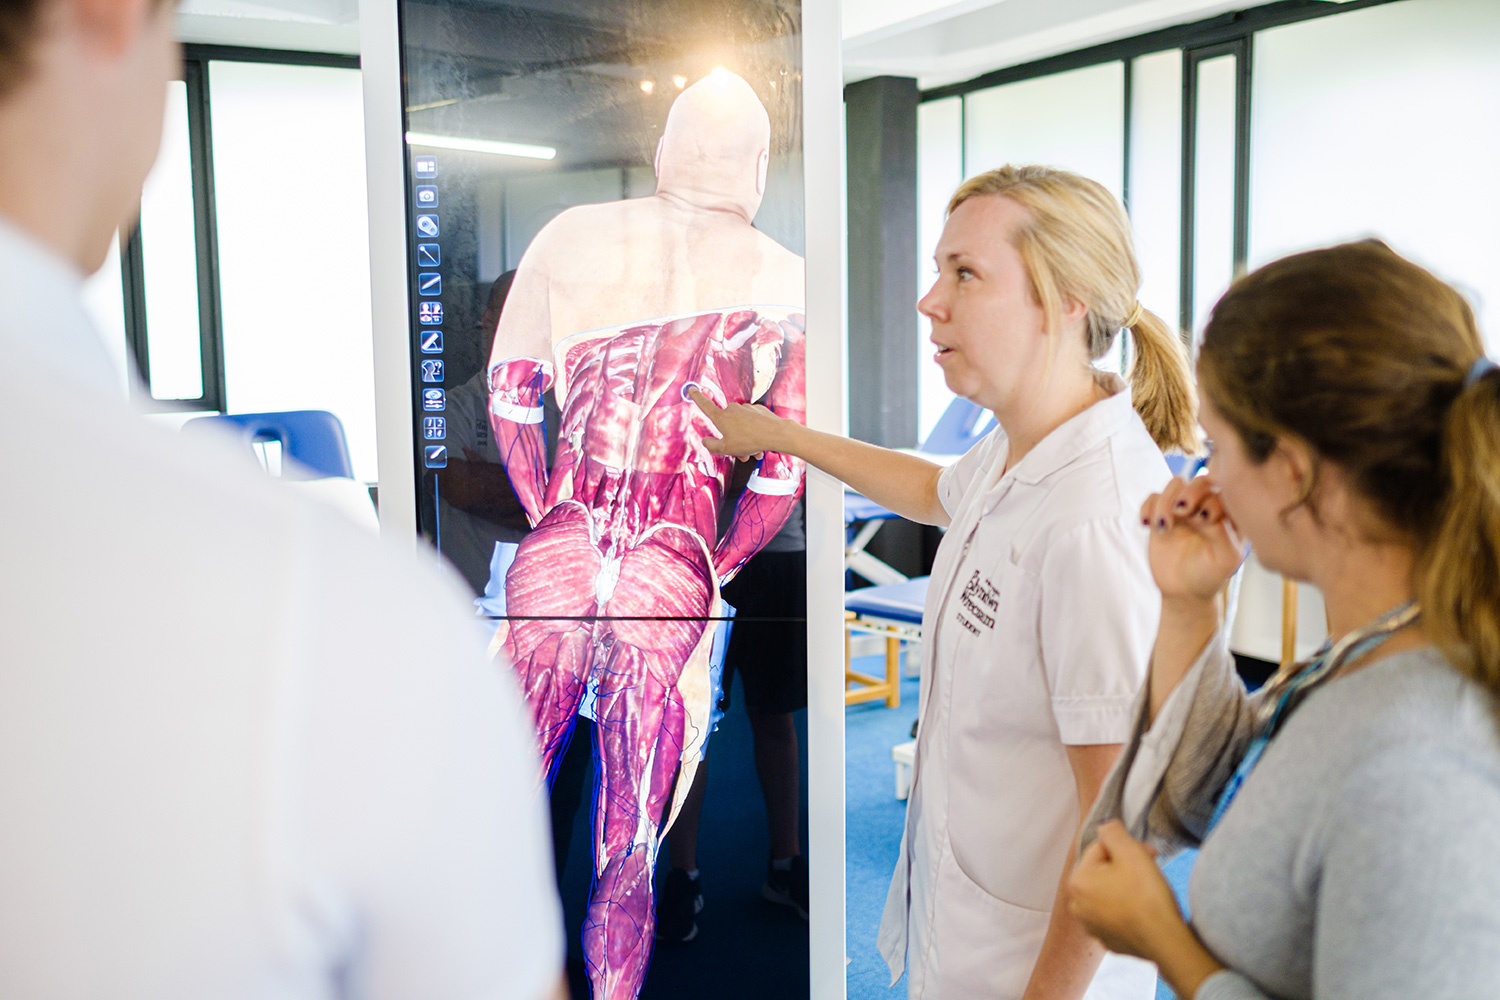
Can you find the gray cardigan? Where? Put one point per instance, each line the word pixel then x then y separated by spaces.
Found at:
pixel 1360 860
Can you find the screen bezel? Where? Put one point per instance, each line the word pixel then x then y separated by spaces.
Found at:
pixel 823 173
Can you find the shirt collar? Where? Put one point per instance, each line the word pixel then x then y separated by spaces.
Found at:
pixel 43 323
pixel 1075 436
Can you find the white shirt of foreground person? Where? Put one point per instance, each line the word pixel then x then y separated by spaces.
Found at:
pixel 1038 626
pixel 245 751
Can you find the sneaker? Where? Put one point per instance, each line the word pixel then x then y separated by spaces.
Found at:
pixel 788 888
pixel 678 903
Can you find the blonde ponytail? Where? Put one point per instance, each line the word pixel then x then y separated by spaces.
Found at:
pixel 1076 245
pixel 1161 385
pixel 1458 577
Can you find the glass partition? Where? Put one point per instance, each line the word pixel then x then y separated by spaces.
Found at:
pixel 1155 192
pixel 940 168
pixel 170 261
pixel 1213 184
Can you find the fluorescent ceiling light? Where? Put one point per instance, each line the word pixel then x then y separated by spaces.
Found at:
pixel 481 145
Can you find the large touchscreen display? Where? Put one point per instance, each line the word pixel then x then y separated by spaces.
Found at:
pixel 605 211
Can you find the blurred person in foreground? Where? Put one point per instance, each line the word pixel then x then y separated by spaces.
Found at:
pixel 244 750
pixel 1347 810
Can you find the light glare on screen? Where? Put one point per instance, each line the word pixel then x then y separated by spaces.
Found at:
pixel 491 146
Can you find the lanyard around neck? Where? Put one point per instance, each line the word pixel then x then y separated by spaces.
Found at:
pixel 1325 664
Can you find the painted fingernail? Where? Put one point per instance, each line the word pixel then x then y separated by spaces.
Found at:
pixel 1146 521
pixel 1181 505
pixel 1161 524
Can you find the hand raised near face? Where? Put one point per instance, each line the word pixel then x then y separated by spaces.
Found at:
pixel 1195 548
pixel 745 430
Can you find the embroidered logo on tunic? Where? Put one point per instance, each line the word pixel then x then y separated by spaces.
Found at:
pixel 977 604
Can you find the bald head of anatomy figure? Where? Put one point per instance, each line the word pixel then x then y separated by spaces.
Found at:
pixel 716 146
pixel 688 247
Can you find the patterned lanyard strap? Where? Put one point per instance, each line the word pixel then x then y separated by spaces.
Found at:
pixel 1324 664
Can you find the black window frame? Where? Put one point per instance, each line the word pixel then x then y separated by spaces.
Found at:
pixel 195 75
pixel 1225 34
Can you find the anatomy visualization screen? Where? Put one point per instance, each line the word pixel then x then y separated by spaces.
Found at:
pixel 604 205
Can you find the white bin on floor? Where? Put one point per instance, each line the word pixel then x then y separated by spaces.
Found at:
pixel 903 754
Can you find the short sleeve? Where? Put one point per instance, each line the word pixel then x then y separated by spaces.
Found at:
pixel 955 480
pixel 1406 902
pixel 1098 616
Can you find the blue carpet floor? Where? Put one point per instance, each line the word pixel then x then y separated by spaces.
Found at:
pixel 873 836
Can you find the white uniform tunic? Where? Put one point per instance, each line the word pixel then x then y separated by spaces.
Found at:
pixel 1038 628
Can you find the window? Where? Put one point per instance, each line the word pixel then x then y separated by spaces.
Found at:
pixel 168 247
pixel 1074 120
pixel 1154 195
pixel 1213 205
pixel 1380 122
pixel 940 168
pixel 293 244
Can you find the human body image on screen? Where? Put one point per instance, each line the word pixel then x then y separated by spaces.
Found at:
pixel 621 308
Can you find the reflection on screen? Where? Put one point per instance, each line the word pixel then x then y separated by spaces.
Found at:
pixel 605 212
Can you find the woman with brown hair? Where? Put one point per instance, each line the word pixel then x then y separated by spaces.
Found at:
pixel 1040 610
pixel 1348 812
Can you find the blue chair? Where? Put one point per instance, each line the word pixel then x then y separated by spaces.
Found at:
pixel 959 428
pixel 1186 467
pixel 312 440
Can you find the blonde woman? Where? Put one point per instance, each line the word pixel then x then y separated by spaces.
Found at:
pixel 1348 812
pixel 1041 609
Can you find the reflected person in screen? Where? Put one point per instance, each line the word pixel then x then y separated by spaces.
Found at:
pixel 244 750
pixel 620 308
pixel 1041 609
pixel 479 507
pixel 1347 811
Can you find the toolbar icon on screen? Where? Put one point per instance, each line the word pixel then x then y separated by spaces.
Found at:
pixel 429 254
pixel 430 283
pixel 432 342
pixel 425 166
pixel 429 313
pixel 433 400
pixel 434 428
pixel 427 196
pixel 432 370
pixel 436 456
pixel 427 225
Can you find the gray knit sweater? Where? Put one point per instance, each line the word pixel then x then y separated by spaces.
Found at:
pixel 1360 860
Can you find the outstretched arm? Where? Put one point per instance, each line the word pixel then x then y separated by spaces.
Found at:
pixel 897 481
pixel 519 376
pixel 773 489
